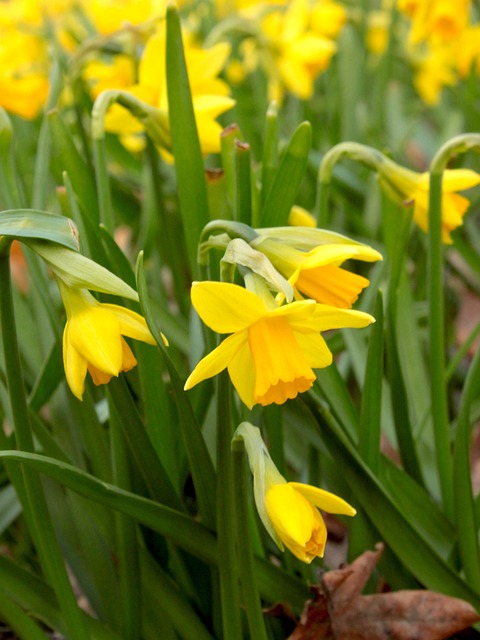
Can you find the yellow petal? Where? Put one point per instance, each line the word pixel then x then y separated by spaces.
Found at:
pixel 217 360
pixel 225 307
pixel 95 334
pixel 324 499
pixel 315 348
pixel 242 374
pixel 326 317
pixel 132 324
pixel 459 179
pixel 75 366
pixel 298 524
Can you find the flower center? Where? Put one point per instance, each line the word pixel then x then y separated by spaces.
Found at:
pixel 281 369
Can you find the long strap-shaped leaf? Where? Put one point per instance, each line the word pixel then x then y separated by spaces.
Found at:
pixel 415 552
pixel 199 460
pixel 288 177
pixel 38 225
pixel 181 529
pixel 192 191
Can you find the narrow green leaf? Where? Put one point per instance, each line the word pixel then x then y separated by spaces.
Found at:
pixel 38 225
pixel 416 553
pixel 33 595
pixel 19 622
pixel 66 157
pixel 192 192
pixel 199 459
pixel 243 179
pixel 288 177
pixel 371 409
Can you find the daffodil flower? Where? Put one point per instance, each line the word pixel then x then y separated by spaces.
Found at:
pixel 288 510
pixel 317 273
pixel 93 338
pixel 413 188
pixel 273 349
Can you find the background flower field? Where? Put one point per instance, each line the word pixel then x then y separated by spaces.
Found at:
pixel 239 301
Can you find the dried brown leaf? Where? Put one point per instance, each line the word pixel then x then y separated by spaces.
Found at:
pixel 338 611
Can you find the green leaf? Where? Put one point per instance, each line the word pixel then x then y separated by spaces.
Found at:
pixel 33 224
pixel 66 157
pixel 288 177
pixel 406 541
pixel 192 191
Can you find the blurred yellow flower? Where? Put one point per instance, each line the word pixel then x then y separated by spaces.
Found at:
pixel 328 18
pixel 294 55
pixel 439 20
pixel 23 73
pixel 111 15
pixel 435 69
pixel 93 338
pixel 288 510
pixel 260 371
pixel 210 94
pixel 411 187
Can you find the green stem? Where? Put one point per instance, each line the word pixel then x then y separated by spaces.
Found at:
pixel 251 597
pixel 103 186
pixel 437 342
pixel 467 527
pixel 43 532
pixel 228 564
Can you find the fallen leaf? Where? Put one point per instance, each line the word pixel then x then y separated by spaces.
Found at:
pixel 338 611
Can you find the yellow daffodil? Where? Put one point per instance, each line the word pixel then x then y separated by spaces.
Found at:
pixel 295 55
pixel 328 18
pixel 317 273
pixel 435 69
pixel 23 74
pixel 439 20
pixel 288 510
pixel 111 15
pixel 468 51
pixel 413 188
pixel 209 93
pixel 93 338
pixel 273 350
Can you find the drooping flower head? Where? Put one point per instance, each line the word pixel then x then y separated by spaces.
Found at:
pixel 411 187
pixel 288 510
pixel 273 349
pixel 311 260
pixel 93 338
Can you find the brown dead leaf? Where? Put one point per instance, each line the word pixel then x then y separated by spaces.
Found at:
pixel 338 611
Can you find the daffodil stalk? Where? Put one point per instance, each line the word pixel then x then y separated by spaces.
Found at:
pixel 156 125
pixel 457 145
pixel 368 156
pixel 43 532
pixel 228 555
pixel 250 593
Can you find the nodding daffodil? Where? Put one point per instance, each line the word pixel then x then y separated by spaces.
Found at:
pixel 411 187
pixel 93 338
pixel 288 510
pixel 273 349
pixel 317 273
